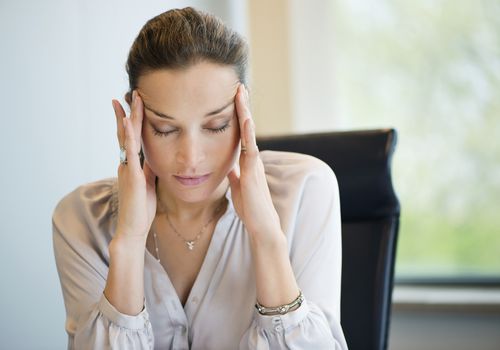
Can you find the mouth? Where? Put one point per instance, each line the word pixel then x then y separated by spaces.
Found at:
pixel 192 180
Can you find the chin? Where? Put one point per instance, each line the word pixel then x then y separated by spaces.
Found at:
pixel 193 196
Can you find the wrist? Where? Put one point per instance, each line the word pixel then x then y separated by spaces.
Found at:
pixel 127 244
pixel 271 241
pixel 281 309
pixel 124 284
pixel 276 284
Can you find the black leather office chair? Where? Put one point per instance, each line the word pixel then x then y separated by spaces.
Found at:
pixel 370 211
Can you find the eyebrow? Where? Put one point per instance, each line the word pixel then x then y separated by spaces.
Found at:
pixel 217 111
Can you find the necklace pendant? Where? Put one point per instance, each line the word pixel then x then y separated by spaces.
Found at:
pixel 190 245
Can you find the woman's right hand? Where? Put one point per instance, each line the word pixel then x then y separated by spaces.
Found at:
pixel 136 185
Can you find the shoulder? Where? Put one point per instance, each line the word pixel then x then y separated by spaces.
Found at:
pixel 298 182
pixel 86 197
pixel 88 210
pixel 292 169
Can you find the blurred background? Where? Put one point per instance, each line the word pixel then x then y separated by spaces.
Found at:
pixel 430 69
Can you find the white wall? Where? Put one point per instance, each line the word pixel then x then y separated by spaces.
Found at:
pixel 292 53
pixel 312 63
pixel 61 63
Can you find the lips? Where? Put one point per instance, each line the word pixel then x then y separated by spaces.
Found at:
pixel 191 180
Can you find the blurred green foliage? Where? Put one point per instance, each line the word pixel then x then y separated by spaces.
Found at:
pixel 430 69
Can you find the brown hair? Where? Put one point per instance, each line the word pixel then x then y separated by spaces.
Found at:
pixel 179 38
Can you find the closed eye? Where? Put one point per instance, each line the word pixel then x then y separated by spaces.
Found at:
pixel 212 130
pixel 221 129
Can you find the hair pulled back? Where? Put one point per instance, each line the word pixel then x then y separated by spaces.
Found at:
pixel 179 38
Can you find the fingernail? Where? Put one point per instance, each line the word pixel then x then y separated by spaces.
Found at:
pixel 113 104
pixel 134 94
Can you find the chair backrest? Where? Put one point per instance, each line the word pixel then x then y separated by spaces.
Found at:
pixel 370 211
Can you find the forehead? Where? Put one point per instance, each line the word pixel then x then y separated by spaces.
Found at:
pixel 200 88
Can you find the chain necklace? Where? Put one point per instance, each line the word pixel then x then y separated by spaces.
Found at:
pixel 189 243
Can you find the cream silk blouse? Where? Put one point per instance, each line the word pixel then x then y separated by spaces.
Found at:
pixel 219 312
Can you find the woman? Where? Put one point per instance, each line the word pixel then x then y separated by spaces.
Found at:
pixel 202 242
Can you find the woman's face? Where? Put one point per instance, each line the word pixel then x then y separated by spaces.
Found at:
pixel 190 127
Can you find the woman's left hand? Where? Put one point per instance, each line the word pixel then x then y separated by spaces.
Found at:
pixel 249 190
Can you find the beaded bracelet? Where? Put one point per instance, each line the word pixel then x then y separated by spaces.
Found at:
pixel 282 309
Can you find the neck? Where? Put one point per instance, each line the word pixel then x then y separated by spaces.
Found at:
pixel 181 211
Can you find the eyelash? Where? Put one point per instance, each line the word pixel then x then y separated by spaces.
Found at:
pixel 166 133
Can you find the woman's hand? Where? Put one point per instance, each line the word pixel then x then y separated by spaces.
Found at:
pixel 136 186
pixel 250 192
pixel 275 280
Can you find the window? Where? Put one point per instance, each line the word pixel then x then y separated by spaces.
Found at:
pixel 431 69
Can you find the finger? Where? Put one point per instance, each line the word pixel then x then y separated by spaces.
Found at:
pixel 250 138
pixel 131 145
pixel 246 102
pixel 241 110
pixel 137 116
pixel 119 115
pixel 247 127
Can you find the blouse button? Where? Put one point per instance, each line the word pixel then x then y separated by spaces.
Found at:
pixel 278 328
pixel 276 320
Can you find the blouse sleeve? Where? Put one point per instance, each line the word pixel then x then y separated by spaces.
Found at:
pixel 315 254
pixel 80 250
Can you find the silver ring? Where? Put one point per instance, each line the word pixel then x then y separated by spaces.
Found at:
pixel 123 155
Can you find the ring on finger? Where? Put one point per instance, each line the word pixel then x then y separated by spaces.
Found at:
pixel 244 149
pixel 123 155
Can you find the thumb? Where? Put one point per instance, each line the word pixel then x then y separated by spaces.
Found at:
pixel 233 178
pixel 149 174
pixel 234 182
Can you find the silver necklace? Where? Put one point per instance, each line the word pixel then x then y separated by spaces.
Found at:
pixel 189 243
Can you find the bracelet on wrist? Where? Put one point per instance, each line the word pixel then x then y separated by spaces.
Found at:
pixel 282 309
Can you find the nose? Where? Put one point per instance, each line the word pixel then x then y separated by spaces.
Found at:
pixel 190 153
